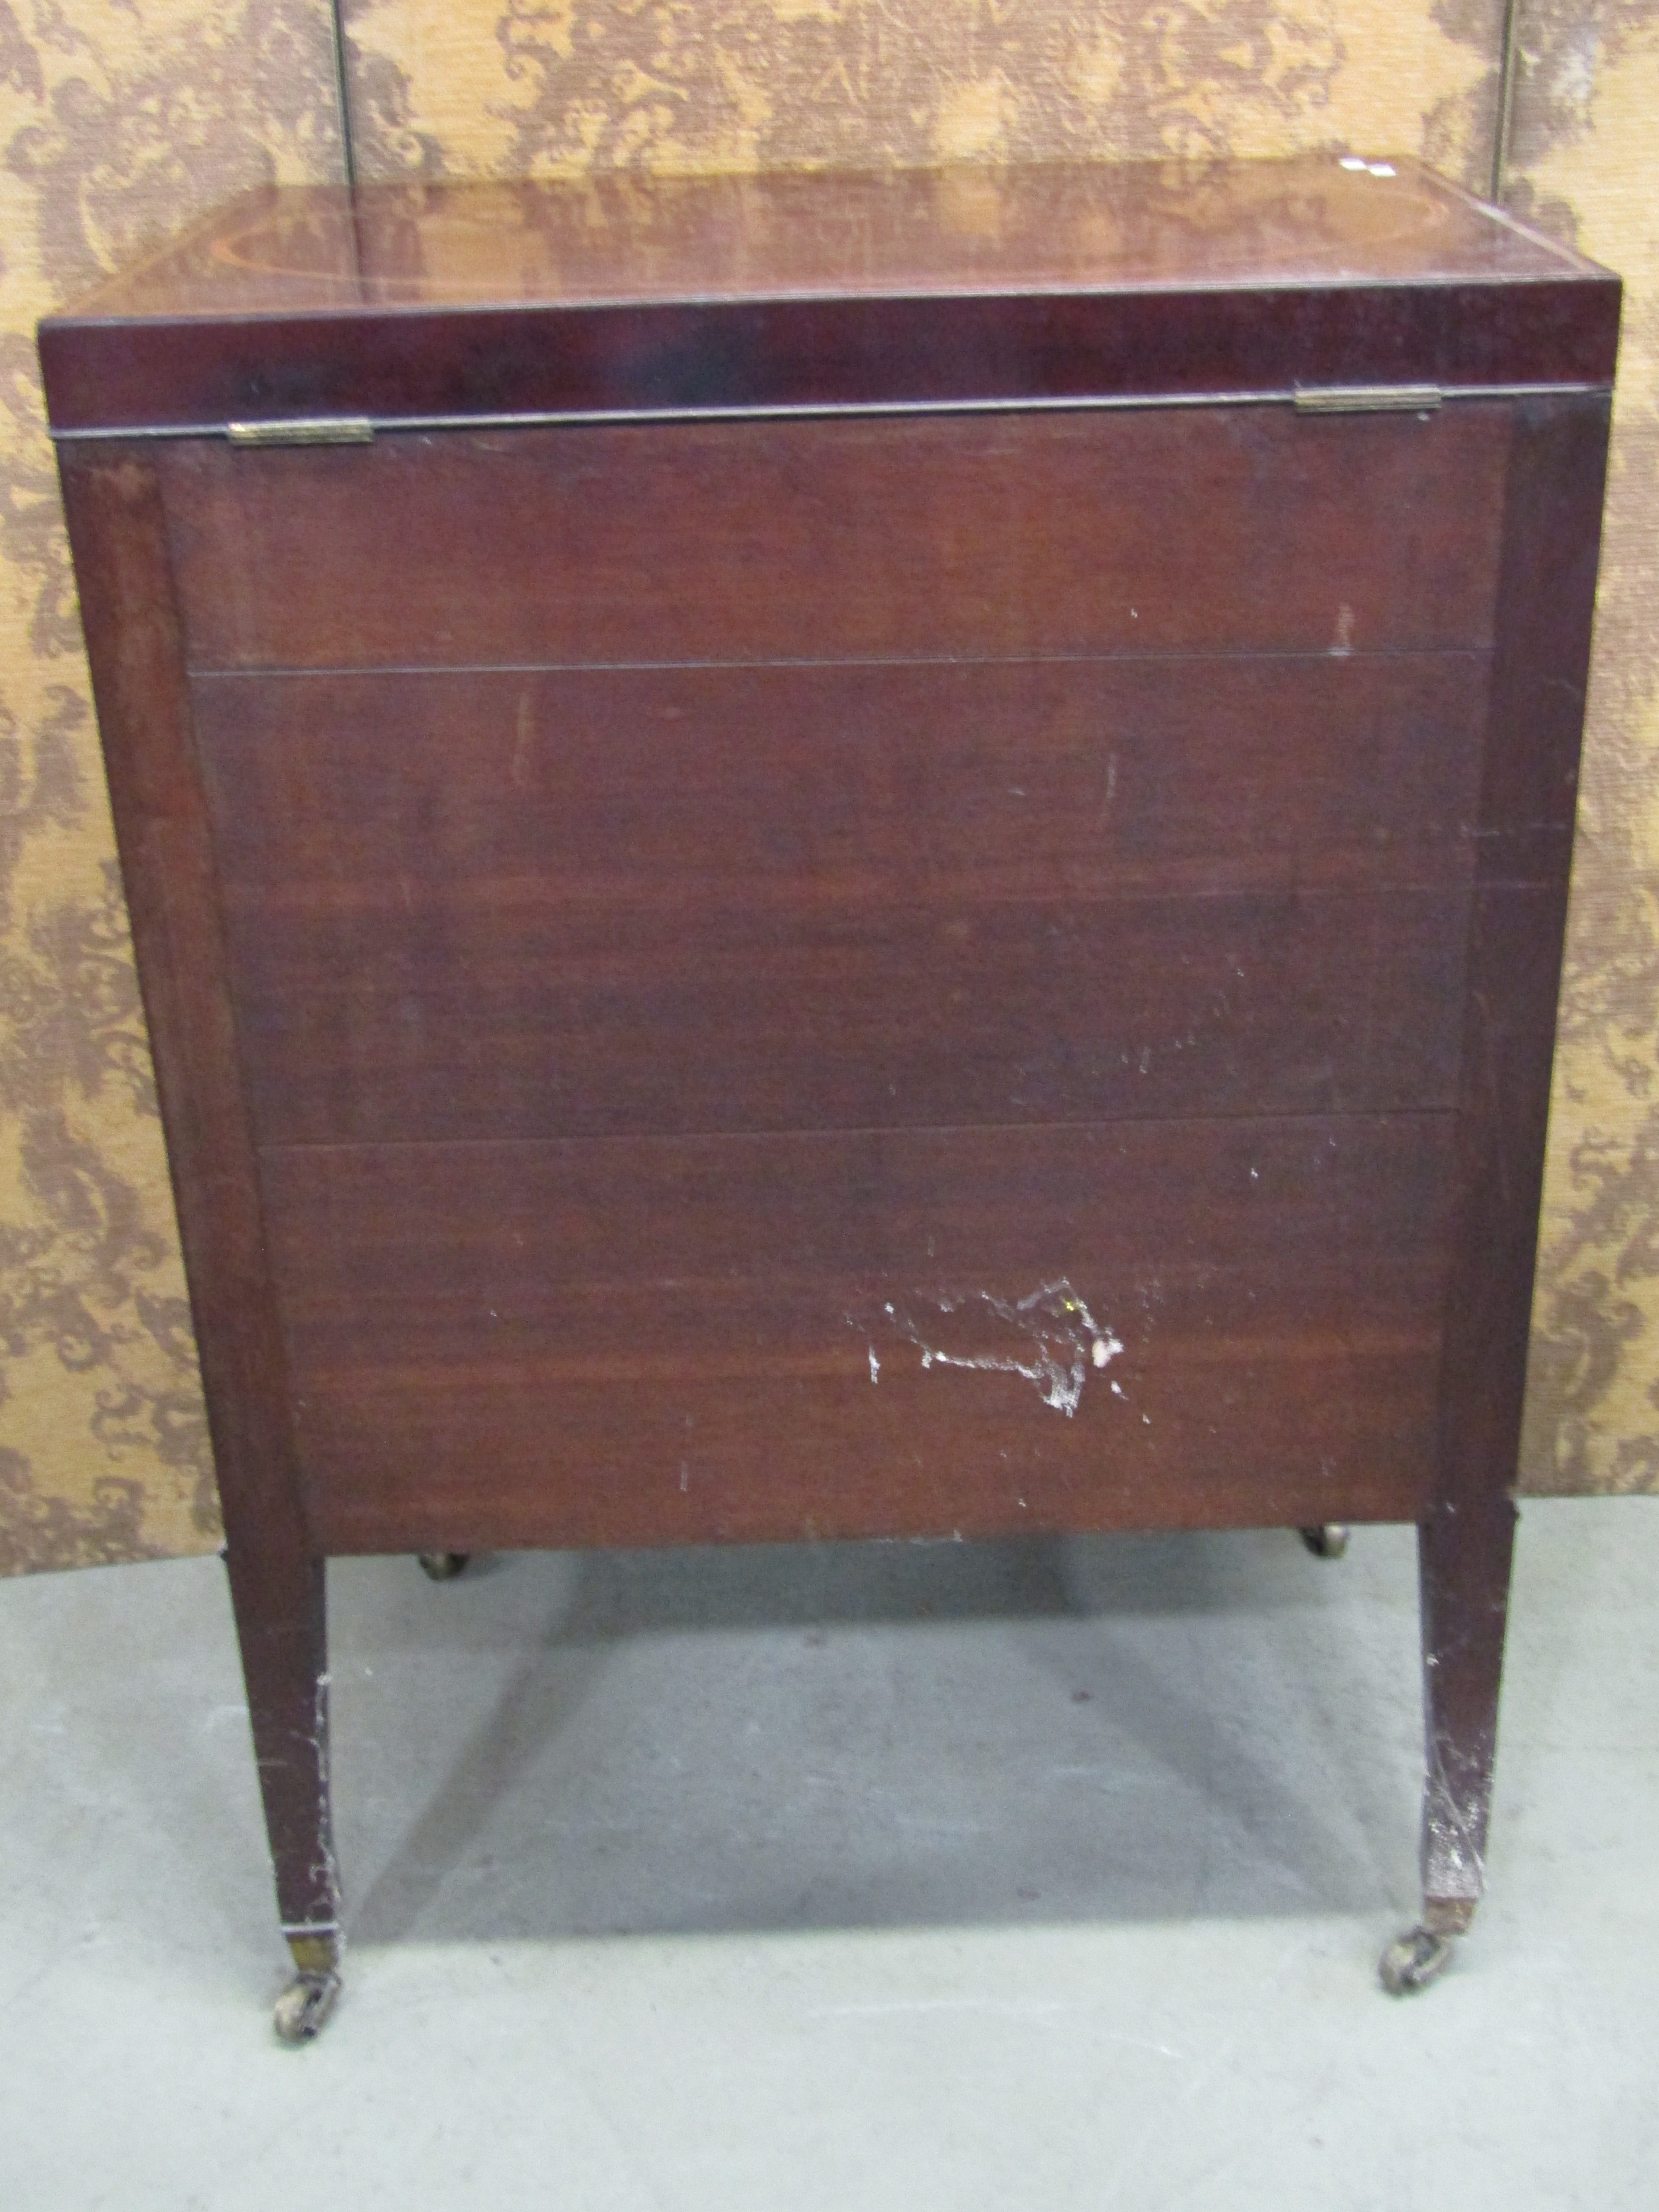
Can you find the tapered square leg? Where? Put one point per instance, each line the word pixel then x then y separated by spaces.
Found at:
pixel 1464 1554
pixel 280 1624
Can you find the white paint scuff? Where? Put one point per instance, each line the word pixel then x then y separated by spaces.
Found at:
pixel 1056 1340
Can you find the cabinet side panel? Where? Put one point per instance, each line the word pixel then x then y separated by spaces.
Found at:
pixel 119 533
pixel 1552 537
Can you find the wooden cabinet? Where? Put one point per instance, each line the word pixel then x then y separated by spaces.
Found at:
pixel 821 857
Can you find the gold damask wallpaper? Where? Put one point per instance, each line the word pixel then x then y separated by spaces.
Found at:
pixel 1583 166
pixel 116 122
pixel 549 86
pixel 120 117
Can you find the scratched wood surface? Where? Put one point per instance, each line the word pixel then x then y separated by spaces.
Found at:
pixel 885 808
pixel 879 1333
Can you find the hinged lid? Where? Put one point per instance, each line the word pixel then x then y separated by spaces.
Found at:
pixel 626 295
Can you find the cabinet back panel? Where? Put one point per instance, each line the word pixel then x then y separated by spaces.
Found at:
pixel 847 538
pixel 883 1333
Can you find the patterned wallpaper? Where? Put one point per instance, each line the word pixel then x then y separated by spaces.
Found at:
pixel 549 86
pixel 118 120
pixel 1583 165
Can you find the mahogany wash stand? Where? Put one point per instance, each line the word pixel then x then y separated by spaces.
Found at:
pixel 836 856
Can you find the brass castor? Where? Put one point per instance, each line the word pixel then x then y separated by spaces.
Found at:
pixel 443 1567
pixel 1327 1540
pixel 303 2009
pixel 1414 1959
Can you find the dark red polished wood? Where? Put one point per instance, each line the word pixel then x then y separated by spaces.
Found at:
pixel 687 1339
pixel 880 971
pixel 1012 780
pixel 854 539
pixel 1069 282
pixel 119 533
pixel 1552 530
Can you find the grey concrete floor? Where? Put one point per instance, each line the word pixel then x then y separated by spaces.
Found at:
pixel 1043 1875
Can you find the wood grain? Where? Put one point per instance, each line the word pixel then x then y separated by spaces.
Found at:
pixel 810 353
pixel 849 538
pixel 1550 539
pixel 682 1340
pixel 508 1016
pixel 989 780
pixel 1007 284
pixel 494 905
pixel 990 229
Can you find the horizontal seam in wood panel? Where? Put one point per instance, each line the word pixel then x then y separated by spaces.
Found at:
pixel 323 895
pixel 259 672
pixel 901 1129
pixel 252 894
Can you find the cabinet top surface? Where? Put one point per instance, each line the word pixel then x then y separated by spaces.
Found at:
pixel 1062 283
pixel 633 237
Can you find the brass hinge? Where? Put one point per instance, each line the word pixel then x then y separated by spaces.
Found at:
pixel 1367 398
pixel 304 430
